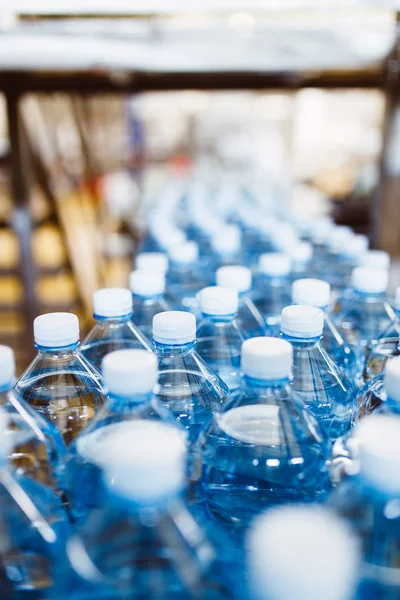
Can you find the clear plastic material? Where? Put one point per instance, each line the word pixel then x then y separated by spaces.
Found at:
pixel 263 448
pixel 64 388
pixel 144 310
pixel 219 341
pixel 142 542
pixel 87 452
pixel 271 295
pixel 321 386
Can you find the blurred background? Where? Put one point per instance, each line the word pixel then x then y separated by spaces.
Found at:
pixel 106 108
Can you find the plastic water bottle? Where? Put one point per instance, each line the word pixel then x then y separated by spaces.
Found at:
pixel 273 288
pixel 143 541
pixel 148 297
pixel 185 278
pixel 286 542
pixel 316 379
pixel 219 336
pixel 369 500
pixel 60 383
pixel 226 246
pixel 264 447
pixel 315 292
pixel 130 377
pixel 347 256
pixel 301 254
pixel 187 385
pixel 33 528
pixel 114 329
pixel 238 278
pixel 152 262
pixel 387 346
pixel 379 394
pixel 37 448
pixel 376 259
pixel 366 313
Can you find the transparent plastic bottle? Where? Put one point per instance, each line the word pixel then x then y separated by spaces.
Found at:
pixel 316 379
pixel 226 246
pixel 37 448
pixel 284 571
pixel 301 254
pixel 347 257
pixel 33 525
pixel 60 383
pixel 387 345
pixel 148 296
pixel 185 277
pixel 273 288
pixel 152 262
pixel 264 447
pixel 380 394
pixel 114 329
pixel 130 377
pixel 315 292
pixel 365 314
pixel 187 385
pixel 142 542
pixel 369 498
pixel 219 336
pixel 238 278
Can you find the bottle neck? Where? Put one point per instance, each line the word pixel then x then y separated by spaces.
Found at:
pixel 369 295
pixel 252 382
pixel 277 279
pixel 132 400
pixel 147 298
pixel 302 342
pixel 173 349
pixel 219 318
pixel 59 352
pixel 113 320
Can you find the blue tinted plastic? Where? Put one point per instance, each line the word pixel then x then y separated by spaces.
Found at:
pixel 111 334
pixel 144 309
pixel 249 317
pixel 321 386
pixel 264 448
pixel 271 295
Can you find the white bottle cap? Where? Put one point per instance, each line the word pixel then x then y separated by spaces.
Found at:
pixel 355 246
pixel 370 280
pixel 152 261
pixel 227 240
pixel 392 378
pixel 338 237
pixel 217 300
pixel 130 372
pixel 184 254
pixel 313 292
pixel 284 542
pixel 397 299
pixel 112 302
pixel 55 330
pixel 145 460
pixel 275 264
pixel 302 321
pixel 301 252
pixel 379 452
pixel 267 358
pixel 170 237
pixel 235 278
pixel 321 229
pixel 7 366
pixel 174 327
pixel 376 258
pixel 147 284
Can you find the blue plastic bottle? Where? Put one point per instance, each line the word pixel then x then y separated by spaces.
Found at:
pixel 34 528
pixel 316 379
pixel 37 446
pixel 130 377
pixel 285 544
pixel 142 542
pixel 369 499
pixel 185 277
pixel 273 288
pixel 264 447
pixel 219 336
pixel 365 313
pixel 148 296
pixel 114 329
pixel 315 292
pixel 386 346
pixel 152 262
pixel 60 383
pixel 248 316
pixel 187 385
pixel 382 393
